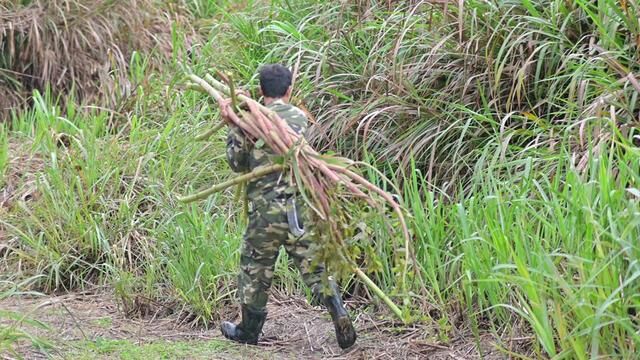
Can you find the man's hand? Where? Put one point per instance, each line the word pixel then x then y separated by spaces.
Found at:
pixel 225 109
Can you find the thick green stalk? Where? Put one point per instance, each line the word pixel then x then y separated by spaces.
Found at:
pixel 206 87
pixel 379 293
pixel 241 195
pixel 207 134
pixel 259 172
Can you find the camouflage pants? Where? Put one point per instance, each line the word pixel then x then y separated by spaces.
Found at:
pixel 268 230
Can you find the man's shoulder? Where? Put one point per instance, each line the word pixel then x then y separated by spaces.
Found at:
pixel 291 112
pixel 295 117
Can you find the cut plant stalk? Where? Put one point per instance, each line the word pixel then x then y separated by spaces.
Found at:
pixel 209 133
pixel 259 172
pixel 379 293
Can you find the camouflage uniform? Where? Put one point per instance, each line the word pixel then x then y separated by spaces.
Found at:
pixel 268 227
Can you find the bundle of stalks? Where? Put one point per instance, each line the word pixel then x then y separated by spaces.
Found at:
pixel 327 183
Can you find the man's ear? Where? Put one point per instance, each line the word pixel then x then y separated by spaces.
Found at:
pixel 287 95
pixel 260 91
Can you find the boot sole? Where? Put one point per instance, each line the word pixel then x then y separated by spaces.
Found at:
pixel 345 333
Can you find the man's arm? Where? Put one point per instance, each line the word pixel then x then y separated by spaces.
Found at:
pixel 237 150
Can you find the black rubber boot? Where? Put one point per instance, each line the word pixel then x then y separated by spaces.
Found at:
pixel 248 331
pixel 345 332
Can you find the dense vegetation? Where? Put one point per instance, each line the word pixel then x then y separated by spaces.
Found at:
pixel 511 128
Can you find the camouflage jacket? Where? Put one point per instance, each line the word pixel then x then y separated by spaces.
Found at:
pixel 243 155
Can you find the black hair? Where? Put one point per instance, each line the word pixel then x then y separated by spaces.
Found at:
pixel 275 80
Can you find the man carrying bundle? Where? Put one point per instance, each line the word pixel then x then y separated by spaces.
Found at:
pixel 275 221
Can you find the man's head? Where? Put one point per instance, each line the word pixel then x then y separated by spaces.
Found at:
pixel 275 82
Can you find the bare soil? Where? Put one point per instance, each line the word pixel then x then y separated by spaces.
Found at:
pixel 294 329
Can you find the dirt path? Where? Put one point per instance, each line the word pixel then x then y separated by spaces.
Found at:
pixel 91 326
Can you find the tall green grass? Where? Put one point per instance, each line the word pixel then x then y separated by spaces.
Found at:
pixel 106 203
pixel 557 251
pixel 522 249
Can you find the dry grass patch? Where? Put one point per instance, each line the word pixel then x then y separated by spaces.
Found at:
pixel 77 47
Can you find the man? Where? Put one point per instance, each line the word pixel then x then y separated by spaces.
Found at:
pixel 274 222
